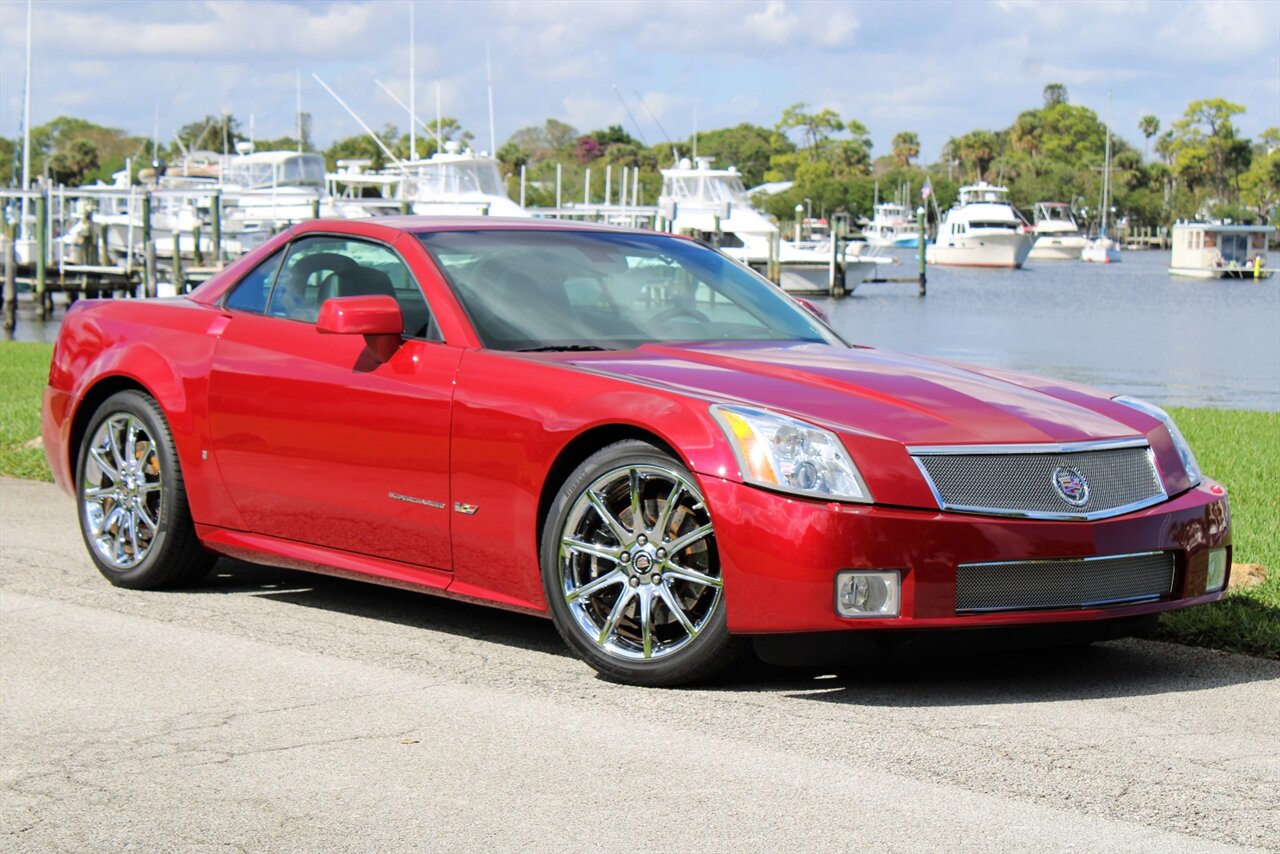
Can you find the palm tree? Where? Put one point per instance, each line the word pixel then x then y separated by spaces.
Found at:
pixel 906 145
pixel 1150 126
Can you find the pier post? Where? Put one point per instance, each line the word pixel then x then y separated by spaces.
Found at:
pixel 920 248
pixel 835 282
pixel 149 269
pixel 315 208
pixel 521 185
pixel 10 280
pixel 148 246
pixel 558 171
pixel 716 237
pixel 406 208
pixel 216 216
pixel 42 256
pixel 177 262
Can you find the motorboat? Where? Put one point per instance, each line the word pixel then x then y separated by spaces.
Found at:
pixel 892 225
pixel 1057 234
pixel 455 181
pixel 713 204
pixel 982 230
pixel 1220 250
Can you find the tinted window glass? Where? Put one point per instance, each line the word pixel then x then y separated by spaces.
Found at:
pixel 546 289
pixel 319 268
pixel 251 293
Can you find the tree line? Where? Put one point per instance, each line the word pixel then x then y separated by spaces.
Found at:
pixel 1200 166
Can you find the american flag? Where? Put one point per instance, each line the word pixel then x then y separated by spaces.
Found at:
pixel 927 190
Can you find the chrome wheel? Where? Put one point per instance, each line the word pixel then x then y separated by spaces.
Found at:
pixel 637 563
pixel 121 489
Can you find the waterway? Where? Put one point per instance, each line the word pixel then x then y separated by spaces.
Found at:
pixel 1130 327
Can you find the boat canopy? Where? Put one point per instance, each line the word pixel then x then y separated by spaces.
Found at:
pixel 1054 212
pixel 983 192
pixel 433 178
pixel 269 169
pixel 711 188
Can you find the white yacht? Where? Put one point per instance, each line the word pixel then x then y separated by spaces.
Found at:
pixel 272 189
pixel 1058 235
pixel 892 225
pixel 451 182
pixel 981 230
pixel 694 195
pixel 1220 250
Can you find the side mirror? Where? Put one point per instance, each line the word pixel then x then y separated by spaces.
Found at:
pixel 812 309
pixel 368 315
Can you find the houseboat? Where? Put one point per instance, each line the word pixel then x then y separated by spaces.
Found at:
pixel 1220 250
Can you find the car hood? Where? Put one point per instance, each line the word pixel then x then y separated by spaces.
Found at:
pixel 860 390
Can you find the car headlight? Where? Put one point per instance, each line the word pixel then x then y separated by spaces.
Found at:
pixel 778 452
pixel 1179 441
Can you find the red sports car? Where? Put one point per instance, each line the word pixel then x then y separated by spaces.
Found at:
pixel 623 430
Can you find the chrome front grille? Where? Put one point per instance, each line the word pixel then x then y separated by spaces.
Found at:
pixel 1020 480
pixel 1065 583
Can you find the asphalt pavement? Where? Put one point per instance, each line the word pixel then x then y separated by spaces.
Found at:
pixel 275 710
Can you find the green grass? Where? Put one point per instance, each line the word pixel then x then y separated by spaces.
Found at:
pixel 24 370
pixel 1239 449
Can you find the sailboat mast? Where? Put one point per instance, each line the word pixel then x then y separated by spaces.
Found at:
pixel 1106 170
pixel 413 103
pixel 298 87
pixel 493 133
pixel 26 128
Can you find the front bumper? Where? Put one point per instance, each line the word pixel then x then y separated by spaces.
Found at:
pixel 780 554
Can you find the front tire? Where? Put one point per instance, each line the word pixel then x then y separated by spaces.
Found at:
pixel 631 572
pixel 132 504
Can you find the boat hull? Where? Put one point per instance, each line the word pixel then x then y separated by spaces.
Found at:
pixel 1008 250
pixel 1051 247
pixel 1218 273
pixel 1100 252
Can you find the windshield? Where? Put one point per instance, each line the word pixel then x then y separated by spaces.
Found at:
pixel 527 290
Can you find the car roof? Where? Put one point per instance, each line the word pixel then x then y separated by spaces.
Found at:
pixel 427 224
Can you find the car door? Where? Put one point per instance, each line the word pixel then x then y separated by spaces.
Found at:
pixel 317 439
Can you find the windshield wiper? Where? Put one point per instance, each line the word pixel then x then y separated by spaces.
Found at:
pixel 547 348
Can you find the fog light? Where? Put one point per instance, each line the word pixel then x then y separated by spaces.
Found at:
pixel 1216 578
pixel 868 594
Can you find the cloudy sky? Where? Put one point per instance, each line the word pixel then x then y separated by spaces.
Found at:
pixel 937 68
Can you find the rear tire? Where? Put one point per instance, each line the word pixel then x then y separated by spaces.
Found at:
pixel 631 572
pixel 131 500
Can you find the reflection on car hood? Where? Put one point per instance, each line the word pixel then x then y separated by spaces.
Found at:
pixel 904 398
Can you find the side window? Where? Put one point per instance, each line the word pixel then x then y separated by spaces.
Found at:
pixel 251 293
pixel 321 267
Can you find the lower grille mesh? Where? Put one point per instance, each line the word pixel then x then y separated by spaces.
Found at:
pixel 1065 583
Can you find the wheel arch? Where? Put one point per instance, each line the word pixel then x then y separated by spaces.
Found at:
pixel 579 449
pixel 90 400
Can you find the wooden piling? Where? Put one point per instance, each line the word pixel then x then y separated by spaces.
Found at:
pixel 149 265
pixel 921 250
pixel 10 282
pixel 177 262
pixel 149 268
pixel 197 256
pixel 315 208
pixel 216 217
pixel 42 256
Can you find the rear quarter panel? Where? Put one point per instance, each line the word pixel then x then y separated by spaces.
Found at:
pixel 164 346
